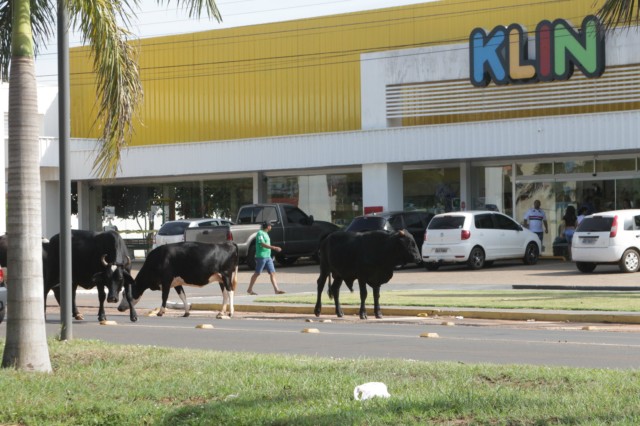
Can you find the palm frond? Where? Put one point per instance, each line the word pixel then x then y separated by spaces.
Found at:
pixel 615 13
pixel 43 21
pixel 195 8
pixel 117 75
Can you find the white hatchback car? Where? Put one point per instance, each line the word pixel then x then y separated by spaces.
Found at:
pixel 611 237
pixel 173 230
pixel 477 238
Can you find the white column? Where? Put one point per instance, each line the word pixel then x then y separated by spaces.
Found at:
pixel 382 186
pixel 50 208
pixel 84 203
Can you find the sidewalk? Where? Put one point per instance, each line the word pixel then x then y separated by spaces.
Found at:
pixel 548 274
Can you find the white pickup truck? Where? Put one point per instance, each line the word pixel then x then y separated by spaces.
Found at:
pixel 297 233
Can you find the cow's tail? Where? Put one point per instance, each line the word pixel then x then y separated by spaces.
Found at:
pixel 329 292
pixel 234 275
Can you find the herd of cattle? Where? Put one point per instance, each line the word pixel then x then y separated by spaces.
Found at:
pixel 101 260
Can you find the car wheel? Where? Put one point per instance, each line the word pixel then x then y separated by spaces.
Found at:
pixel 630 261
pixel 488 263
pixel 531 254
pixel 430 266
pixel 585 267
pixel 251 257
pixel 476 258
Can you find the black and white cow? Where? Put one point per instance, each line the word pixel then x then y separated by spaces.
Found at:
pixel 189 263
pixel 99 259
pixel 369 257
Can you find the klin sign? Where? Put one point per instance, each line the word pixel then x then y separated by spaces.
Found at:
pixel 502 56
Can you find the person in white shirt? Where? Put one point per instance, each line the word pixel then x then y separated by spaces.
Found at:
pixel 536 220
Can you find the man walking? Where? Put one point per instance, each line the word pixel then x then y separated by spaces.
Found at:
pixel 263 259
pixel 535 219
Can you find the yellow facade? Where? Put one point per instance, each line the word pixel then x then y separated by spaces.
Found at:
pixel 286 78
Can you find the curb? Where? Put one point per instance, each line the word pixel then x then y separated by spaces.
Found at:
pixel 513 315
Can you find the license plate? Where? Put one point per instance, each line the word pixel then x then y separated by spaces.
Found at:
pixel 441 250
pixel 589 240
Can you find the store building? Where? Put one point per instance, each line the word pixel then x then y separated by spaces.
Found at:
pixel 442 106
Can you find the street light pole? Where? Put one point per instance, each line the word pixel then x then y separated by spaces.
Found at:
pixel 64 120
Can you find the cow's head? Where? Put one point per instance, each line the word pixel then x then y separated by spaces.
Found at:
pixel 406 248
pixel 113 277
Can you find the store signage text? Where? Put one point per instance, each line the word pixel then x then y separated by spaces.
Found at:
pixel 502 55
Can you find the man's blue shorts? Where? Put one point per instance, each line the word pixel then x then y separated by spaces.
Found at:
pixel 264 262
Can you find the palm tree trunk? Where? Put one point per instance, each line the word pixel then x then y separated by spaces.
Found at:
pixel 26 345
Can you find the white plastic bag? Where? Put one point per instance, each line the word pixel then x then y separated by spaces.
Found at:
pixel 370 390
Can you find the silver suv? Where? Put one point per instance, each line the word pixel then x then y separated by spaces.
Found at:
pixel 608 238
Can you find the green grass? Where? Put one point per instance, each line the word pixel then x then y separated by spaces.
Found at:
pixel 502 299
pixel 105 384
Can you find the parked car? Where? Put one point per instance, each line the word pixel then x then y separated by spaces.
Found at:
pixel 173 230
pixel 477 238
pixel 414 221
pixel 611 237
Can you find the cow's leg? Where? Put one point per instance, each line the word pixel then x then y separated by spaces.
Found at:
pixel 183 296
pixel 76 313
pixel 133 315
pixel 334 290
pixel 363 299
pixel 128 302
pixel 165 295
pixel 322 279
pixel 376 301
pixel 102 316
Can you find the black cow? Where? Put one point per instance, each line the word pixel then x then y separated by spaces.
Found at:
pixel 4 246
pixel 369 257
pixel 189 263
pixel 99 259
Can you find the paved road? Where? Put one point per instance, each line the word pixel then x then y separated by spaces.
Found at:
pixel 462 340
pixel 466 341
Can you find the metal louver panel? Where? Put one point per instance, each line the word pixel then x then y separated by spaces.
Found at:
pixel 618 85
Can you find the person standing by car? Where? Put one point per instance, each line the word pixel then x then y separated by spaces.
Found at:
pixel 535 219
pixel 263 259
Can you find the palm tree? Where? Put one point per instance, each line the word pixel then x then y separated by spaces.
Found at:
pixel 25 24
pixel 619 12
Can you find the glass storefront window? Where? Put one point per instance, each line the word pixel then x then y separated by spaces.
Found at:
pixel 434 190
pixel 142 207
pixel 568 167
pixel 534 169
pixel 491 189
pixel 616 165
pixel 334 198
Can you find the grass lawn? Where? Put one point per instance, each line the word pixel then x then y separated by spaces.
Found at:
pixel 502 299
pixel 105 384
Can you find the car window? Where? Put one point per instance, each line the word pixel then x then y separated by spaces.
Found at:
pixel 173 228
pixel 447 222
pixel 484 221
pixel 411 220
pixel 366 223
pixel 208 223
pixel 595 224
pixel 294 214
pixel 266 214
pixel 636 220
pixel 628 224
pixel 246 215
pixel 505 222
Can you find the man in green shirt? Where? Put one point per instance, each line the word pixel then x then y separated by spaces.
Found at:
pixel 263 259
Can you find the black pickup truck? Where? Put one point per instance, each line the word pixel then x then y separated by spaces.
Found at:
pixel 297 233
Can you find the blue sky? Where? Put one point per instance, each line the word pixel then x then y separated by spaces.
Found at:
pixel 153 20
